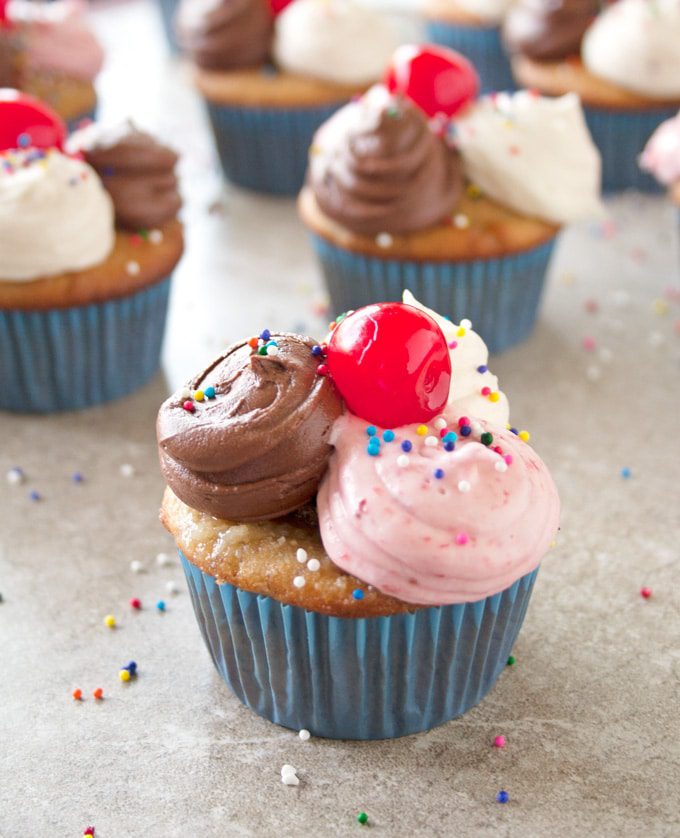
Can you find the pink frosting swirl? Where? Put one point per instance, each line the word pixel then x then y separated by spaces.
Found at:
pixel 438 527
pixel 661 156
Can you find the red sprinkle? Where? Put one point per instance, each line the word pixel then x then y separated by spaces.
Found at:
pixel 443 432
pixel 135 239
pixel 463 421
pixel 322 369
pixel 136 603
pixel 486 391
pixel 89 830
pixel 189 406
pixel 645 593
pixel 98 693
pixel 77 694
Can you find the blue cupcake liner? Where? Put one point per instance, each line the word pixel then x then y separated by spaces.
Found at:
pixel 167 10
pixel 621 137
pixel 500 296
pixel 363 678
pixel 72 358
pixel 482 46
pixel 266 149
pixel 73 124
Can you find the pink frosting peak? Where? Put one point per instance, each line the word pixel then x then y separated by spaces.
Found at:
pixel 57 37
pixel 661 156
pixel 434 526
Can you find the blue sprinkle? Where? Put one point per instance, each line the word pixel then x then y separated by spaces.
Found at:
pixel 131 667
pixel 514 431
pixel 34 496
pixel 482 368
pixel 317 350
pixel 24 140
pixel 388 436
pixel 625 472
pixel 373 452
pixel 108 171
pixel 406 445
pixel 439 473
pixel 451 436
pixel 465 430
pixel 449 446
pixel 502 797
pixel 77 477
pixel 272 343
pixel 160 605
pixel 265 334
pixel 209 392
pixel 371 430
pixel 358 593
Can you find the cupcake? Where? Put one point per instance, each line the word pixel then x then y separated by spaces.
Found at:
pixel 623 61
pixel 87 247
pixel 359 530
pixel 270 82
pixel 468 219
pixel 48 50
pixel 661 158
pixel 473 28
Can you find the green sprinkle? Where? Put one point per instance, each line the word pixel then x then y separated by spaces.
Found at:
pixel 394 113
pixel 262 350
pixel 362 818
pixel 511 660
pixel 486 438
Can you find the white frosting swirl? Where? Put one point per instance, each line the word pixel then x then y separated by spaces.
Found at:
pixel 532 154
pixel 55 215
pixel 469 373
pixel 488 11
pixel 636 45
pixel 333 40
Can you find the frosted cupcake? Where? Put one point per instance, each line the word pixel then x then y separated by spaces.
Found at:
pixel 358 570
pixel 270 82
pixel 661 158
pixel 467 220
pixel 49 51
pixel 473 28
pixel 85 266
pixel 623 61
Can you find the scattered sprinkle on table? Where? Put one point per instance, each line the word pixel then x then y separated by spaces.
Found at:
pixel 499 742
pixel 15 476
pixel 304 734
pixel 645 592
pixel 127 470
pixel 502 797
pixel 110 621
pixel 98 694
pixel 625 472
pixel 136 603
pixel 34 495
pixel 362 818
pixel 163 559
pixel 77 477
pixel 136 566
pixel 172 587
pixel 511 660
pixel 77 695
pixel 160 605
pixel 289 776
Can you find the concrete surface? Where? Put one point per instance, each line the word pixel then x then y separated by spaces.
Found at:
pixel 590 710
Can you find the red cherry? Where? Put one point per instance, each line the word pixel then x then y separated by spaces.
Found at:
pixel 25 121
pixel 391 364
pixel 3 12
pixel 437 79
pixel 277 6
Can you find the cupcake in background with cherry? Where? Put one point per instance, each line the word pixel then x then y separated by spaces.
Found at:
pixel 359 525
pixel 623 61
pixel 49 51
pixel 271 74
pixel 89 238
pixel 473 28
pixel 420 185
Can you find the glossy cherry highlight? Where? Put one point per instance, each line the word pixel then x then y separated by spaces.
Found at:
pixel 391 364
pixel 277 6
pixel 26 122
pixel 437 79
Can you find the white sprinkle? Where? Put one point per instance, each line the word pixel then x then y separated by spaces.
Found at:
pixel 402 461
pixel 136 566
pixel 155 237
pixel 127 470
pixel 304 735
pixel 313 565
pixel 185 394
pixel 384 240
pixel 133 268
pixel 605 355
pixel 594 373
pixel 162 559
pixel 477 429
pixel 172 587
pixel 655 339
pixel 288 776
pixel 501 466
pixel 462 222
pixel 272 350
pixel 440 423
pixel 301 555
pixel 431 441
pixel 299 581
pixel 464 486
pixel 15 476
pixel 466 324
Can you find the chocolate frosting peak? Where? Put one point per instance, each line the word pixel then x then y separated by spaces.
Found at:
pixel 548 30
pixel 259 448
pixel 226 34
pixel 137 171
pixel 376 166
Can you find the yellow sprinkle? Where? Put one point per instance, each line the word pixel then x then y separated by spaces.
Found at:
pixel 660 307
pixel 461 332
pixel 525 436
pixel 199 395
pixel 493 397
pixel 421 430
pixel 110 621
pixel 473 191
pixel 507 426
pixel 124 675
pixel 553 544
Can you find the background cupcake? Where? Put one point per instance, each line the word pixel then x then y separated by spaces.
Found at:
pixel 623 62
pixel 269 83
pixel 473 27
pixel 467 221
pixel 83 302
pixel 379 618
pixel 48 50
pixel 661 158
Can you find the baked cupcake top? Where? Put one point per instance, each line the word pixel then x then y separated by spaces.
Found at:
pixel 661 156
pixel 451 507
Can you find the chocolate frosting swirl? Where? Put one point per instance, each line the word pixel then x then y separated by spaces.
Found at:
pixel 226 34
pixel 548 30
pixel 259 448
pixel 9 58
pixel 376 167
pixel 137 171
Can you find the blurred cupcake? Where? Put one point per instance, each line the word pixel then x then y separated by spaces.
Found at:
pixel 83 302
pixel 623 61
pixel 53 55
pixel 473 28
pixel 468 221
pixel 661 157
pixel 391 605
pixel 269 83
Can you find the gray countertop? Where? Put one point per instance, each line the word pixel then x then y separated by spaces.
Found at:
pixel 590 709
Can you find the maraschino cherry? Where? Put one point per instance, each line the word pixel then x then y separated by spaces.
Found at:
pixel 4 19
pixel 437 79
pixel 27 122
pixel 391 364
pixel 277 6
